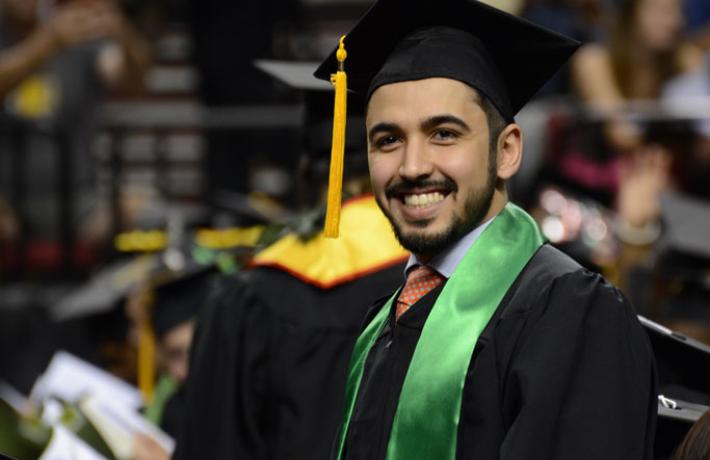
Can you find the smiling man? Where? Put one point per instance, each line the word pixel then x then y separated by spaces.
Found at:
pixel 497 346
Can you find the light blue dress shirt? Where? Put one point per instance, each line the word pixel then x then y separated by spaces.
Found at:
pixel 446 262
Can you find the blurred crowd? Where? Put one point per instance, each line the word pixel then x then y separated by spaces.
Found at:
pixel 146 160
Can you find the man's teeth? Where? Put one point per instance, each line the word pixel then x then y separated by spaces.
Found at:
pixel 423 199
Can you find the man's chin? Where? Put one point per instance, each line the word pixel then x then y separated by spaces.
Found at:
pixel 419 236
pixel 423 241
pixel 417 229
pixel 420 227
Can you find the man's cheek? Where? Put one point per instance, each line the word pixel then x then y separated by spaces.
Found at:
pixel 379 175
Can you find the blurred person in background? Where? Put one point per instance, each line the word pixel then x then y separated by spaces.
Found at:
pixel 174 308
pixel 691 91
pixel 57 60
pixel 610 158
pixel 645 48
pixel 36 33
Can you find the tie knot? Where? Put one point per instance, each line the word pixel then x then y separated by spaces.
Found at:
pixel 420 281
pixel 420 272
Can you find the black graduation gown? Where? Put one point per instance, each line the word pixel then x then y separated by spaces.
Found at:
pixel 174 413
pixel 269 363
pixel 563 371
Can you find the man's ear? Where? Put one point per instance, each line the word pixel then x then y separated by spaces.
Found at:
pixel 510 151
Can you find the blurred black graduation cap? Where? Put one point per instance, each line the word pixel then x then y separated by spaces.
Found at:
pixel 106 289
pixel 506 58
pixel 684 248
pixel 317 98
pixel 178 295
pixel 683 365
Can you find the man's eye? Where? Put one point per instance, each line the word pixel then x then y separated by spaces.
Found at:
pixel 444 135
pixel 387 140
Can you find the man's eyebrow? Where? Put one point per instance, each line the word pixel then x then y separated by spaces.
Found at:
pixel 433 122
pixel 382 127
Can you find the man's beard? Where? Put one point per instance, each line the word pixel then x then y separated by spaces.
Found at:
pixel 476 206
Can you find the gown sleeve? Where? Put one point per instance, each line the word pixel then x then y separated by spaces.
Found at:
pixel 227 377
pixel 584 376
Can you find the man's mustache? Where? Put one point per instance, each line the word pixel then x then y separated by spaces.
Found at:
pixel 398 189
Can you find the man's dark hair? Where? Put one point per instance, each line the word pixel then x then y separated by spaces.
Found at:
pixel 496 122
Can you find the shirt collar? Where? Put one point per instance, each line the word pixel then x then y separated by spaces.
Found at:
pixel 446 261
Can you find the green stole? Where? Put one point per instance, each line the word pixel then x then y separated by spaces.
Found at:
pixel 426 422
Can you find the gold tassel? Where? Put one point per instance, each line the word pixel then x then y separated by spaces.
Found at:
pixel 337 152
pixel 146 352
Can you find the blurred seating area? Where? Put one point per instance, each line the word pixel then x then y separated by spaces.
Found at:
pixel 140 136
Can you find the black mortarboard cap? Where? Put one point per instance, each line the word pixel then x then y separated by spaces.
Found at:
pixel 686 226
pixel 506 58
pixel 683 252
pixel 318 111
pixel 181 297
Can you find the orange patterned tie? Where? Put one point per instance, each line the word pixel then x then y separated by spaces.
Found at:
pixel 420 281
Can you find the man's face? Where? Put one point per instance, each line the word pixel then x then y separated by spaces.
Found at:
pixel 428 151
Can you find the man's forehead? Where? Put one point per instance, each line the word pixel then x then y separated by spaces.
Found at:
pixel 429 97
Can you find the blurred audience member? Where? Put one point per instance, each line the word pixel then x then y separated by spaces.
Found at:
pixel 615 160
pixel 687 97
pixel 37 41
pixel 56 61
pixel 645 49
pixel 175 305
pixel 675 153
pixel 696 445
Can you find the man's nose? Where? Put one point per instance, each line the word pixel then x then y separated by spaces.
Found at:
pixel 416 161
